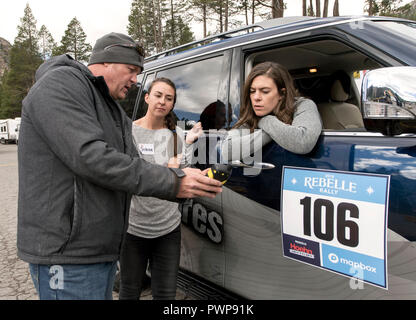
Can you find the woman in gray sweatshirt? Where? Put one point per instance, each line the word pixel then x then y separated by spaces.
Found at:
pixel 154 234
pixel 271 103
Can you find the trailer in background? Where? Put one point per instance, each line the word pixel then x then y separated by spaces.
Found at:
pixel 9 130
pixel 17 129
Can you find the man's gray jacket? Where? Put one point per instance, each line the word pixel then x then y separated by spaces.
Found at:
pixel 78 168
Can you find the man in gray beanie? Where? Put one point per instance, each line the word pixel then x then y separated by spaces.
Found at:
pixel 119 60
pixel 78 168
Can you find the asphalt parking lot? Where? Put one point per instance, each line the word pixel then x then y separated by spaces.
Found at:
pixel 15 281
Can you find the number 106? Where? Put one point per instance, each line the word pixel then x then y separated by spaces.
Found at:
pixel 342 223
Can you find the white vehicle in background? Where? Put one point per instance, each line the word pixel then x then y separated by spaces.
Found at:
pixel 17 129
pixel 9 130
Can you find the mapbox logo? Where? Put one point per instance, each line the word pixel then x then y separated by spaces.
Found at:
pixel 357 265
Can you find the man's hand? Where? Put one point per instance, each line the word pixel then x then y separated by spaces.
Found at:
pixel 196 184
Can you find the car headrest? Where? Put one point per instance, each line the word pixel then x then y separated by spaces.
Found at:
pixel 337 92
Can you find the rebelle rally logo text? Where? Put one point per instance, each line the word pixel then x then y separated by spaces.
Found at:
pixel 330 185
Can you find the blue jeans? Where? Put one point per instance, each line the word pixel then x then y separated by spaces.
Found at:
pixel 74 282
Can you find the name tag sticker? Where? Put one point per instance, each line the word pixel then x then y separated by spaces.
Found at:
pixel 148 149
pixel 337 221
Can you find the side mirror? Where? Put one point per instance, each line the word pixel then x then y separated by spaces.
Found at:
pixel 388 100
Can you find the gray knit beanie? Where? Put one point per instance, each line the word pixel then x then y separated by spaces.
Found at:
pixel 117 48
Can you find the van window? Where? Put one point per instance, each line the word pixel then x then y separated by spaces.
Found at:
pixel 198 99
pixel 314 67
pixel 197 93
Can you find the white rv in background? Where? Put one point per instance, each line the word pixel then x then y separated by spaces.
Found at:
pixel 9 130
pixel 17 128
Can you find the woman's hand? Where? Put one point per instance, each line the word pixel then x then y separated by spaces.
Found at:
pixel 175 162
pixel 194 133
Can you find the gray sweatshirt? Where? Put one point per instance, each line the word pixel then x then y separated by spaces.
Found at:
pixel 299 137
pixel 152 217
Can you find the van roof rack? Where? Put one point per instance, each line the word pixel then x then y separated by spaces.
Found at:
pixel 222 36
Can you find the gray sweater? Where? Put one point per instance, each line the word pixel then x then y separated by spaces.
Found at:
pixel 152 217
pixel 299 137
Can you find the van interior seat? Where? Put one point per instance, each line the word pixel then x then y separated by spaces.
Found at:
pixel 338 114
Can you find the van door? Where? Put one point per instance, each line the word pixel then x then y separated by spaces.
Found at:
pixel 251 205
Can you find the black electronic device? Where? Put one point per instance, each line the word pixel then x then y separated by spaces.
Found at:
pixel 220 172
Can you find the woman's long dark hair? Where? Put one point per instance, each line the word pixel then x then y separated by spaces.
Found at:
pixel 284 109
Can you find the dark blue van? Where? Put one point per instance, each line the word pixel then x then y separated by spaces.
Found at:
pixel 257 239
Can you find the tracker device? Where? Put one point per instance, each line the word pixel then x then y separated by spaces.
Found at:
pixel 220 172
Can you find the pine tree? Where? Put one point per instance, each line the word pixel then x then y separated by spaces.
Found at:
pixel 24 61
pixel 159 12
pixel 177 33
pixel 46 43
pixel 244 6
pixel 388 7
pixel 203 11
pixel 277 8
pixel 336 8
pixel 318 8
pixel 310 9
pixel 391 8
pixel 27 33
pixel 304 8
pixel 218 7
pixel 326 4
pixel 160 24
pixel 140 26
pixel 224 11
pixel 176 30
pixel 74 42
pixel 371 7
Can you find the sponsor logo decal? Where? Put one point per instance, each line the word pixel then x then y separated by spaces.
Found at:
pixel 301 250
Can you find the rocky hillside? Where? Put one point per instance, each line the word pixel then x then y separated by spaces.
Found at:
pixel 4 55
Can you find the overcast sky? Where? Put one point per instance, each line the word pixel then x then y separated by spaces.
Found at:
pixel 99 17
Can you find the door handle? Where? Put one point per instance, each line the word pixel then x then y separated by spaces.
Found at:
pixel 254 165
